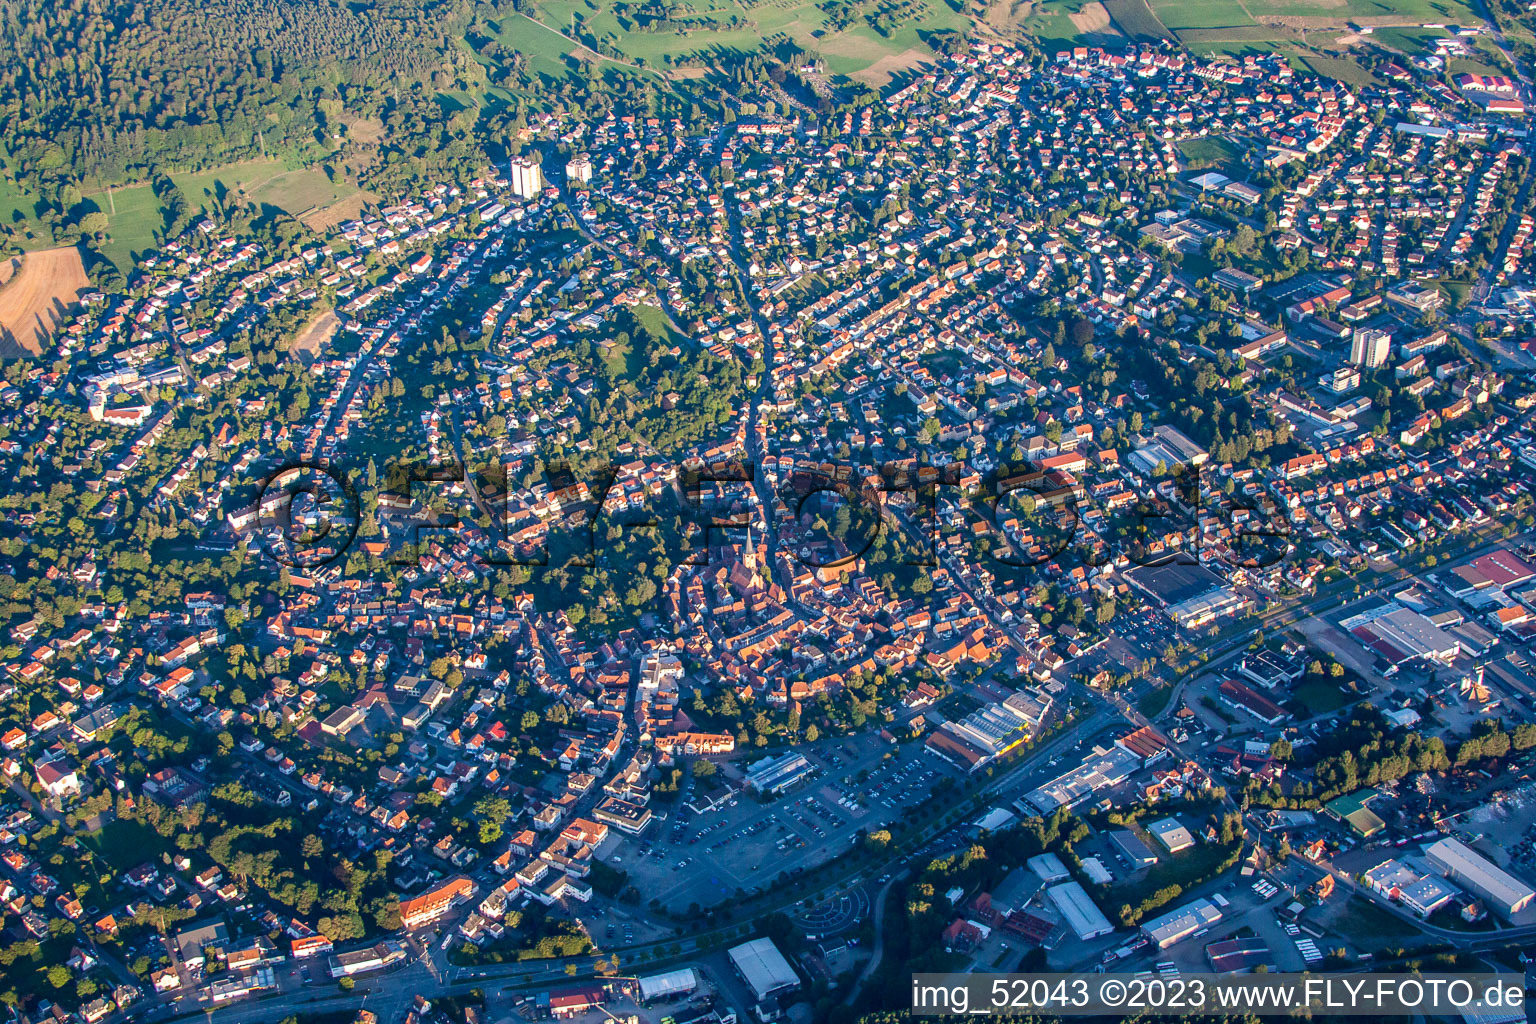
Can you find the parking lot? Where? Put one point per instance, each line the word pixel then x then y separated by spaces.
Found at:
pixel 746 844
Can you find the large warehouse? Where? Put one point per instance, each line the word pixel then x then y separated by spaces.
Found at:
pixel 1399 635
pixel 1085 919
pixel 765 971
pixel 1500 890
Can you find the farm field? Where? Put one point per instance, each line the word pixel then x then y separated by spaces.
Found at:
pixel 35 298
pixel 1186 14
pixel 1136 20
pixel 1062 23
pixel 1306 25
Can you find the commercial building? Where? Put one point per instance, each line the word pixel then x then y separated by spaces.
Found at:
pixel 1245 698
pixel 361 961
pixel 1500 890
pixel 766 973
pixel 430 906
pixel 238 986
pixel 776 774
pixel 1192 595
pixel 956 749
pixel 1080 913
pixel 1270 670
pixel 527 178
pixel 1179 924
pixel 623 815
pixel 1101 770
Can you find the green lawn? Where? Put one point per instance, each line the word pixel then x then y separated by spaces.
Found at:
pixel 18 209
pixel 1407 40
pixel 124 845
pixel 1211 151
pixel 1363 920
pixel 134 215
pixel 1320 697
pixel 1155 702
pixel 706 27
pixel 1237 29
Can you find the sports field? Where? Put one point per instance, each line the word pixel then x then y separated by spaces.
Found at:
pixel 36 297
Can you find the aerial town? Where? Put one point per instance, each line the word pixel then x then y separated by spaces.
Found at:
pixel 1072 513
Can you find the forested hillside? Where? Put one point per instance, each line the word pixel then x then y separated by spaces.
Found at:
pixel 95 93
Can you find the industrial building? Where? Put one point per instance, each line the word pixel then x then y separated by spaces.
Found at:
pixel 1239 956
pixel 1179 924
pixel 1421 893
pixel 667 986
pixel 1400 635
pixel 1172 834
pixel 1097 873
pixel 568 1002
pixel 1129 845
pixel 1079 911
pixel 1354 810
pixel 1500 890
pixel 1049 867
pixel 765 972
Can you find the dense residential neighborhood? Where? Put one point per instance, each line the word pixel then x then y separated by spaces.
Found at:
pixel 1076 506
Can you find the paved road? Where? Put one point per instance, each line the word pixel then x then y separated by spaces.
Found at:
pixel 877 952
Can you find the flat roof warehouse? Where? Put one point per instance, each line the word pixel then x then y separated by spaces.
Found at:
pixel 763 968
pixel 1400 635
